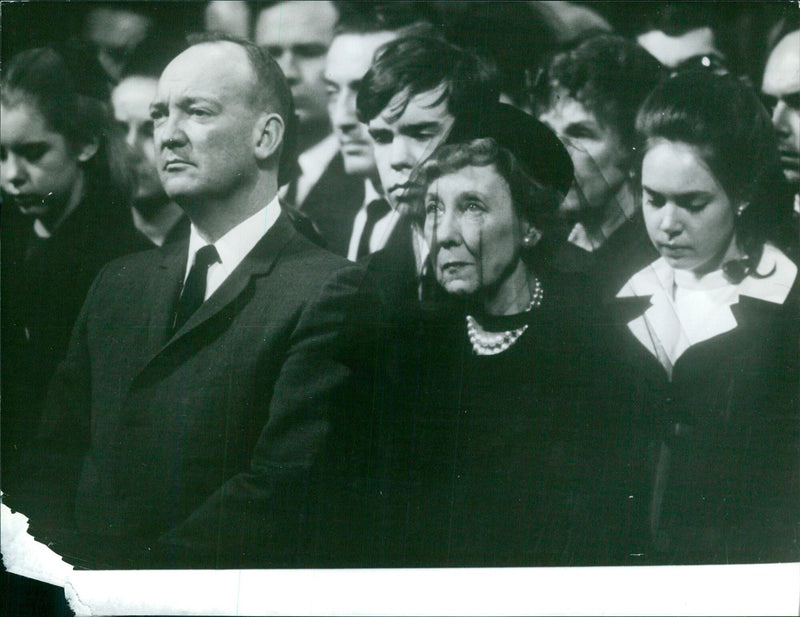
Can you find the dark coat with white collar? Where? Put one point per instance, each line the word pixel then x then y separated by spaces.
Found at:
pixel 717 445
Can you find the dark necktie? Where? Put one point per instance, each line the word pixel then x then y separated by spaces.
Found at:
pixel 194 289
pixel 376 210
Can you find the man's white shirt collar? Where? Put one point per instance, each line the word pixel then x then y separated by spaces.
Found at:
pixel 234 246
pixel 382 230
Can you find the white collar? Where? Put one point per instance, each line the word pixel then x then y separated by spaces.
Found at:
pixel 370 193
pixel 774 288
pixel 234 246
pixel 618 210
pixel 672 324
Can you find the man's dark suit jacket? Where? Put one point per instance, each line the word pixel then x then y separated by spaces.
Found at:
pixel 198 449
pixel 333 203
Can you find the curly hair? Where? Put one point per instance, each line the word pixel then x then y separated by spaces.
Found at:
pixel 609 75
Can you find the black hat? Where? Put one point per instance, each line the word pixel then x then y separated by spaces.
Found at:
pixel 534 145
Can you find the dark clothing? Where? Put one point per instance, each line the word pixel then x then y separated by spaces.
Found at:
pixel 721 439
pixel 44 284
pixel 198 448
pixel 491 460
pixel 332 204
pixel 626 251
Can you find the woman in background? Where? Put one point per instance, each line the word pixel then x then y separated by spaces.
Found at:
pixel 708 333
pixel 589 96
pixel 66 190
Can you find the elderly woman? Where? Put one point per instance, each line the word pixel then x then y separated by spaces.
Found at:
pixel 589 96
pixel 493 474
pixel 709 331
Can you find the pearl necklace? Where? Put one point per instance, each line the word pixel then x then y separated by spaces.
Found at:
pixel 492 343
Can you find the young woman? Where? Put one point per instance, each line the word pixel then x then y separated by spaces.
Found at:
pixel 708 333
pixel 67 187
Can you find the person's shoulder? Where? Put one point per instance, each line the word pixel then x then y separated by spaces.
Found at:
pixel 133 266
pixel 774 280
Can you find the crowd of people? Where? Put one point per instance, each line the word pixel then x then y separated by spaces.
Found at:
pixel 393 284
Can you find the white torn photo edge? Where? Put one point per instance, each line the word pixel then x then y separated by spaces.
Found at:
pixel 764 589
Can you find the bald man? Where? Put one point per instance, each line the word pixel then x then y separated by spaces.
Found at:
pixel 189 423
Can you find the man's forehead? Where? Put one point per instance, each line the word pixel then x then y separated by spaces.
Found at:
pixel 672 50
pixel 782 73
pixel 293 23
pixel 134 92
pixel 350 55
pixel 220 67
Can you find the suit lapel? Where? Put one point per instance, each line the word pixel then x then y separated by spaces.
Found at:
pixel 258 262
pixel 162 294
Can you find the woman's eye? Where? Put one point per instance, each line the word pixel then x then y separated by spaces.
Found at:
pixel 196 111
pixel 432 207
pixel 654 201
pixel 472 207
pixel 695 207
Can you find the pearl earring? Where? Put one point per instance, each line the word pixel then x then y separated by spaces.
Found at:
pixel 531 239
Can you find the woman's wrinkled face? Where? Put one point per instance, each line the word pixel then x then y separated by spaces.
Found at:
pixel 689 216
pixel 600 158
pixel 472 228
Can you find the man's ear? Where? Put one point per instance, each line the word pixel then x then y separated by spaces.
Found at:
pixel 268 135
pixel 88 150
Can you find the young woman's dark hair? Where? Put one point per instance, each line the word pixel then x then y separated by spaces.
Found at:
pixel 70 91
pixel 724 119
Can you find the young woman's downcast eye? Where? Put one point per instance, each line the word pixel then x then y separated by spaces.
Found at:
pixel 381 137
pixel 653 200
pixel 33 153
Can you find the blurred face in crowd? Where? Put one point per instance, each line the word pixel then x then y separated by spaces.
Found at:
pixel 349 58
pixel 475 234
pixel 115 33
pixel 600 158
pixel 405 134
pixel 204 124
pixel 297 35
pixel 688 214
pixel 41 171
pixel 694 46
pixel 228 16
pixel 131 100
pixel 781 88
